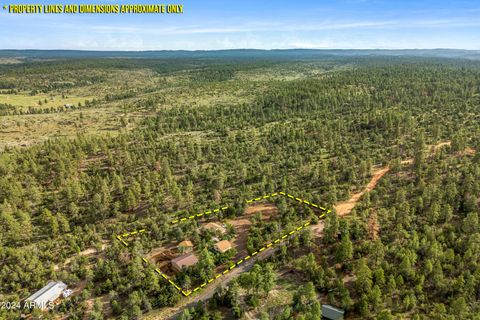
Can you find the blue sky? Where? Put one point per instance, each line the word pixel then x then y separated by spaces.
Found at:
pixel 261 24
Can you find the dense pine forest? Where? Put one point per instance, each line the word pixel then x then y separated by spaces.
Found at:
pixel 143 140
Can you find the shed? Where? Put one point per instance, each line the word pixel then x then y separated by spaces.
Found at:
pixel 184 261
pixel 47 295
pixel 223 246
pixel 215 227
pixel 331 313
pixel 185 246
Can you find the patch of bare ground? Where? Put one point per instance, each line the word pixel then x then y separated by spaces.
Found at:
pixel 87 252
pixel 106 307
pixel 265 208
pixel 162 256
pixel 241 227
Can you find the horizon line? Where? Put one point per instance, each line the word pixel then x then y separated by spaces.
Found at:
pixel 237 49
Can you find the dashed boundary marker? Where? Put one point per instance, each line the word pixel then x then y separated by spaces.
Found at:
pixel 284 237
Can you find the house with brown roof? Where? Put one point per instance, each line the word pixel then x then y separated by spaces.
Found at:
pixel 184 261
pixel 223 246
pixel 215 228
pixel 185 246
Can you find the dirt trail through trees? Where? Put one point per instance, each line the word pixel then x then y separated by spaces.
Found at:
pixel 345 207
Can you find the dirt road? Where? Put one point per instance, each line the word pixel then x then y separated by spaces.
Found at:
pixel 207 292
pixel 345 207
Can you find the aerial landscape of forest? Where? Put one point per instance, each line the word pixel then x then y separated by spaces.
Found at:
pixel 121 172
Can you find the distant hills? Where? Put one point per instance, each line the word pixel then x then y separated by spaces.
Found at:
pixel 242 53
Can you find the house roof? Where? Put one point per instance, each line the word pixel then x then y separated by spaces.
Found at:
pixel 223 245
pixel 186 243
pixel 48 293
pixel 332 313
pixel 185 260
pixel 213 226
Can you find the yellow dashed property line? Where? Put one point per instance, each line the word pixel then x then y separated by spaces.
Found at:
pixel 238 263
pixel 119 237
pixel 128 234
pixel 198 215
pixel 249 201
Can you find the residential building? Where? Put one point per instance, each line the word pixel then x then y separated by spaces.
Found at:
pixel 46 296
pixel 223 246
pixel 184 261
pixel 331 313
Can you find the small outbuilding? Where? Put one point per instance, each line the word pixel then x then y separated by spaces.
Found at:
pixel 223 246
pixel 331 313
pixel 47 295
pixel 185 246
pixel 215 228
pixel 184 261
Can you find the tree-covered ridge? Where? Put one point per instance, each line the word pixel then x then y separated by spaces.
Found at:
pixel 317 137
